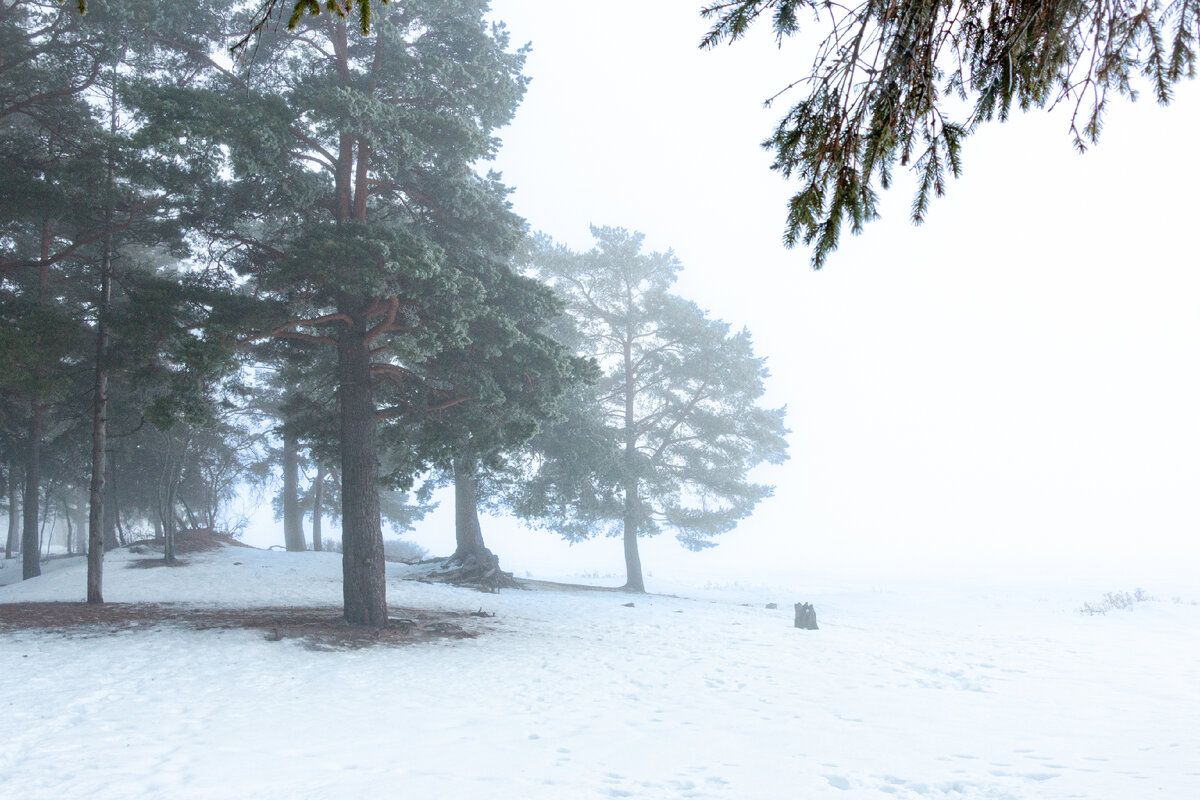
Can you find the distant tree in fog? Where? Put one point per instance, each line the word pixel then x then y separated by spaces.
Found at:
pixel 667 436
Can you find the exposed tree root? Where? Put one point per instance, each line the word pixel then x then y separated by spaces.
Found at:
pixel 483 573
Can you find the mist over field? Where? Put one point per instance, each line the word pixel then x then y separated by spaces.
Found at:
pixel 421 412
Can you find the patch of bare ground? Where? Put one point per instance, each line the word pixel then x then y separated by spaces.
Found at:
pixel 318 628
pixel 195 540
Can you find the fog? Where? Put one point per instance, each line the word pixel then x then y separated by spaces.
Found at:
pixel 1007 390
pixel 989 504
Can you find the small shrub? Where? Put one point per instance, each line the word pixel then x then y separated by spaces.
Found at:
pixel 1116 600
pixel 402 550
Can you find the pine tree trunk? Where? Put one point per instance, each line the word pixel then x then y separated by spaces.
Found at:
pixel 363 577
pixel 633 560
pixel 13 543
pixel 44 539
pixel 70 528
pixel 318 501
pixel 111 517
pixel 95 548
pixel 169 527
pixel 174 453
pixel 30 546
pixel 30 532
pixel 467 533
pixel 293 527
pixel 476 565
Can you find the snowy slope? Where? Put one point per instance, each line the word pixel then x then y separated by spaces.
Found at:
pixel 929 692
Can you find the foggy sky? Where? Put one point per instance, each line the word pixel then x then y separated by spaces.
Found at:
pixel 1011 387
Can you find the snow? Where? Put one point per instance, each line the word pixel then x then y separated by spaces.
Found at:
pixel 918 691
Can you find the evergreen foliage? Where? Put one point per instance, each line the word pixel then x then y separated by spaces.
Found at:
pixel 354 201
pixel 680 426
pixel 889 75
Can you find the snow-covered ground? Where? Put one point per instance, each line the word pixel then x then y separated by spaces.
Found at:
pixel 925 691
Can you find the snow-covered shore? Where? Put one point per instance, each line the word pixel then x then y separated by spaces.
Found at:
pixel 929 692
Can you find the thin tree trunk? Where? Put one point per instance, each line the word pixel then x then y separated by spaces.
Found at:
pixel 114 534
pixel 13 543
pixel 170 523
pixel 633 560
pixel 293 527
pixel 175 451
pixel 318 500
pixel 70 528
pixel 169 526
pixel 363 577
pixel 44 539
pixel 30 546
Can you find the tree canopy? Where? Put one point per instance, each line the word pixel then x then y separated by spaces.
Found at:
pixel 666 438
pixel 890 76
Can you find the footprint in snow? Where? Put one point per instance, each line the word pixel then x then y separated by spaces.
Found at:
pixel 1039 776
pixel 838 782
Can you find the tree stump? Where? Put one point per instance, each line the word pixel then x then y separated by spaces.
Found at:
pixel 806 617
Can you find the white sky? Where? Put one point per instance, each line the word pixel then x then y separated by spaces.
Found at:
pixel 1011 387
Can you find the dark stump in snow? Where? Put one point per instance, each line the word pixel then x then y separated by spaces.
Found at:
pixel 806 617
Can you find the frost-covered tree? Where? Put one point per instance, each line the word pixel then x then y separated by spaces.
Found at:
pixel 354 200
pixel 889 76
pixel 678 402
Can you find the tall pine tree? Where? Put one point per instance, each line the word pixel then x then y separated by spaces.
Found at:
pixel 679 402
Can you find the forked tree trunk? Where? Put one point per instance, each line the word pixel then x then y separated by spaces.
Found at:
pixel 363 577
pixel 293 528
pixel 318 501
pixel 30 549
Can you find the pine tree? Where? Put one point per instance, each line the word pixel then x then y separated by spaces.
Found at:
pixel 888 73
pixel 678 398
pixel 355 201
pixel 514 373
